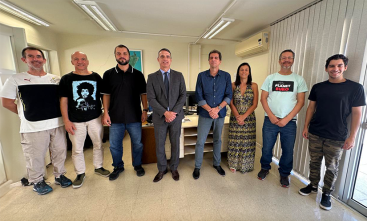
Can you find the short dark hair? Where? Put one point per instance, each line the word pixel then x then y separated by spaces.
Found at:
pixel 238 78
pixel 215 52
pixel 287 50
pixel 32 49
pixel 165 49
pixel 85 85
pixel 337 57
pixel 121 46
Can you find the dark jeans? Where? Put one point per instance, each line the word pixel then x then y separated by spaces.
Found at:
pixel 287 139
pixel 117 132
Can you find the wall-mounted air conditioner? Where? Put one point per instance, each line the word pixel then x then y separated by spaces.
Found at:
pixel 253 45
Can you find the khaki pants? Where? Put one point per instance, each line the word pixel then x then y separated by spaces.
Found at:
pixel 35 146
pixel 94 129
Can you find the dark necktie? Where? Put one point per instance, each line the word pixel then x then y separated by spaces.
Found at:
pixel 166 83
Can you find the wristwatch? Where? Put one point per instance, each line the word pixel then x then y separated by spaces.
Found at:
pixel 219 107
pixel 146 110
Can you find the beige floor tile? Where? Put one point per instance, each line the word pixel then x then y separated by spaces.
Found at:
pixel 212 197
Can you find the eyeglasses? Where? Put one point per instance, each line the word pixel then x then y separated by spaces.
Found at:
pixel 284 58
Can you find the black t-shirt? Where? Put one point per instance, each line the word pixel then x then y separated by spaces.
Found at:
pixel 84 96
pixel 125 89
pixel 334 102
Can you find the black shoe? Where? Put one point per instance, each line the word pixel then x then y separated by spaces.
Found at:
pixel 284 181
pixel 307 190
pixel 196 173
pixel 116 173
pixel 325 201
pixel 159 176
pixel 220 170
pixel 262 174
pixel 139 170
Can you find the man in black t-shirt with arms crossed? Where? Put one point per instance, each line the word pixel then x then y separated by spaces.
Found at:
pixel 331 102
pixel 80 104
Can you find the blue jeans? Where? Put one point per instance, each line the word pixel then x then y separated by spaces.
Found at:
pixel 287 139
pixel 117 132
pixel 204 126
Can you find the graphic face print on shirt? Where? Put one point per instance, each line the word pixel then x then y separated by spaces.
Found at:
pixel 283 86
pixel 84 95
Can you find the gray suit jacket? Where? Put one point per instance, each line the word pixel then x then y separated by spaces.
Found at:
pixel 157 98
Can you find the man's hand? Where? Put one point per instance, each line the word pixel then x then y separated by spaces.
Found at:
pixel 213 115
pixel 282 122
pixel 273 119
pixel 70 127
pixel 106 119
pixel 305 133
pixel 349 143
pixel 214 110
pixel 170 116
pixel 144 116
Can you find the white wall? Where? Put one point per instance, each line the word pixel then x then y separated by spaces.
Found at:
pixel 36 35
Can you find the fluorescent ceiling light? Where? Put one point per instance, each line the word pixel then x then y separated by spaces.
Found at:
pixel 223 22
pixel 96 13
pixel 21 13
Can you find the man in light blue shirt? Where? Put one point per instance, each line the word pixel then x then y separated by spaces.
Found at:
pixel 282 97
pixel 213 93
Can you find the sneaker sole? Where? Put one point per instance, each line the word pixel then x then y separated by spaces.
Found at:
pixel 325 208
pixel 42 193
pixel 57 183
pixel 284 186
pixel 78 186
pixel 306 194
pixel 100 174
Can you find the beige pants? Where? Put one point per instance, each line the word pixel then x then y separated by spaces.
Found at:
pixel 94 129
pixel 35 146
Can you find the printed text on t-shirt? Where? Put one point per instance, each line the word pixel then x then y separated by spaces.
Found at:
pixel 283 86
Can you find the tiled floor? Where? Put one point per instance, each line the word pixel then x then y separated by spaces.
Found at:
pixel 212 197
pixel 360 192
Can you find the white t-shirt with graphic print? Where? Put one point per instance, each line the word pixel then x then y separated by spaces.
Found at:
pixel 37 101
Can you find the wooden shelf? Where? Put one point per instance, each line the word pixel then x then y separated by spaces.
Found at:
pixel 190 132
pixel 193 132
pixel 192 140
pixel 190 149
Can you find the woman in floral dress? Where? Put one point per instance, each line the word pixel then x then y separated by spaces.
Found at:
pixel 242 126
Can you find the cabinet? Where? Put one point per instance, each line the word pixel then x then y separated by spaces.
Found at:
pixel 189 136
pixel 187 140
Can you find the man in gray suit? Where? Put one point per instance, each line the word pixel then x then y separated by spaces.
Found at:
pixel 166 91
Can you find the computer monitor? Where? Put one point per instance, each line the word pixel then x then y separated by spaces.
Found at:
pixel 190 102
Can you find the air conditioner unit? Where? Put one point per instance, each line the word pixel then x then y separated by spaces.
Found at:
pixel 253 45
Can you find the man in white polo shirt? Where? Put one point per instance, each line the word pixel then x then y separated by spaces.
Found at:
pixel 41 125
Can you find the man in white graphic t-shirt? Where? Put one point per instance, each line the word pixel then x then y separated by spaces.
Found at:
pixel 41 125
pixel 282 97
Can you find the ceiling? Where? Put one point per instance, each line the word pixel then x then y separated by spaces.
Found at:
pixel 187 18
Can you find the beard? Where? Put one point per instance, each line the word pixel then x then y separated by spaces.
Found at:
pixel 123 63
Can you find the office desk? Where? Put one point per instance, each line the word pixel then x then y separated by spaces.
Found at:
pixel 187 140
